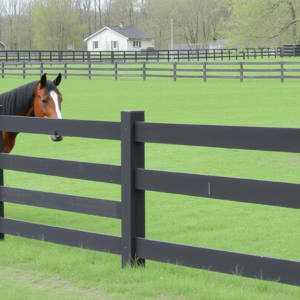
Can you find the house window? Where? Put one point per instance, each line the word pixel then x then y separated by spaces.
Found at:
pixel 95 44
pixel 114 45
pixel 137 44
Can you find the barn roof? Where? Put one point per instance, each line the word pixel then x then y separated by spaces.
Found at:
pixel 130 32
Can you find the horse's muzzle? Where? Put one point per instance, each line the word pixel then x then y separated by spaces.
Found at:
pixel 57 138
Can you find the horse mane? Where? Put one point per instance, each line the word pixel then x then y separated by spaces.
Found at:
pixel 20 98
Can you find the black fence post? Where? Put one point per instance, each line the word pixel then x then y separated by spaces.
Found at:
pixel 65 70
pixel 241 72
pixel 204 71
pixel 280 51
pixel 116 71
pixel 281 72
pixel 144 71
pixel 90 70
pixel 133 201
pixel 1 178
pixel 24 70
pixel 174 71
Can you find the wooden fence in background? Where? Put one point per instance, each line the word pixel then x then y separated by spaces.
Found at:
pixel 202 70
pixel 290 50
pixel 138 56
pixel 134 179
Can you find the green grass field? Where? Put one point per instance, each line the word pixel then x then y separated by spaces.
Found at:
pixel 38 270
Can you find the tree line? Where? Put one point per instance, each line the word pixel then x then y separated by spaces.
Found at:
pixel 55 24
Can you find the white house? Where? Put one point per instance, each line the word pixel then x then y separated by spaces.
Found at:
pixel 119 38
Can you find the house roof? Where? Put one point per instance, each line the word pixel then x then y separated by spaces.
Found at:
pixel 130 32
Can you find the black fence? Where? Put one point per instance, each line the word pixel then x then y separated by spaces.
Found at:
pixel 136 56
pixel 290 50
pixel 133 133
pixel 202 70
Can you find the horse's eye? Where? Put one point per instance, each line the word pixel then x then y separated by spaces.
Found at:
pixel 44 101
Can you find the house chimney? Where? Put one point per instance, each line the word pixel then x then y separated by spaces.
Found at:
pixel 121 24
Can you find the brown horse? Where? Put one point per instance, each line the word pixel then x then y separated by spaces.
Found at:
pixel 36 99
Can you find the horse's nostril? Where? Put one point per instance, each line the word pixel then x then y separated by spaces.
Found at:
pixel 56 137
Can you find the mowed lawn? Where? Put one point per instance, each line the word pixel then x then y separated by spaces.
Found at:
pixel 39 270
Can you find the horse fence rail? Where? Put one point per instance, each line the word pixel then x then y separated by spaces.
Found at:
pixel 137 56
pixel 176 70
pixel 78 204
pixel 134 132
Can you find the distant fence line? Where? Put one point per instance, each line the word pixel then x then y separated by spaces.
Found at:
pixel 290 50
pixel 137 56
pixel 133 132
pixel 175 70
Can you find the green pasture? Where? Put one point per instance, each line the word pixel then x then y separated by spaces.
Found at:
pixel 39 270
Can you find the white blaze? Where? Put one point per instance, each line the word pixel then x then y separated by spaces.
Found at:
pixel 55 99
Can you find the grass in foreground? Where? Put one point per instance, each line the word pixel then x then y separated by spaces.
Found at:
pixel 49 271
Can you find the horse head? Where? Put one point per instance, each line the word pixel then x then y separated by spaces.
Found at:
pixel 47 101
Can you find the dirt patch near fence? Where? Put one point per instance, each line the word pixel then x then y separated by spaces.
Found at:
pixel 53 286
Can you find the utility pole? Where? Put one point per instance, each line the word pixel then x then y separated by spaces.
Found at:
pixel 171 34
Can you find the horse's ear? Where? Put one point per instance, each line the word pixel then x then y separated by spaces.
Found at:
pixel 43 80
pixel 57 80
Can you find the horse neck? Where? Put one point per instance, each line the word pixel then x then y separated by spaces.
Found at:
pixel 29 111
pixel 20 100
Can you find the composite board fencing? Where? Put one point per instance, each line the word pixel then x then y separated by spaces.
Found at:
pixel 199 70
pixel 135 56
pixel 134 179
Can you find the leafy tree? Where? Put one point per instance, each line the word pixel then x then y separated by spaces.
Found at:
pixel 12 23
pixel 156 20
pixel 200 20
pixel 126 11
pixel 56 25
pixel 264 23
